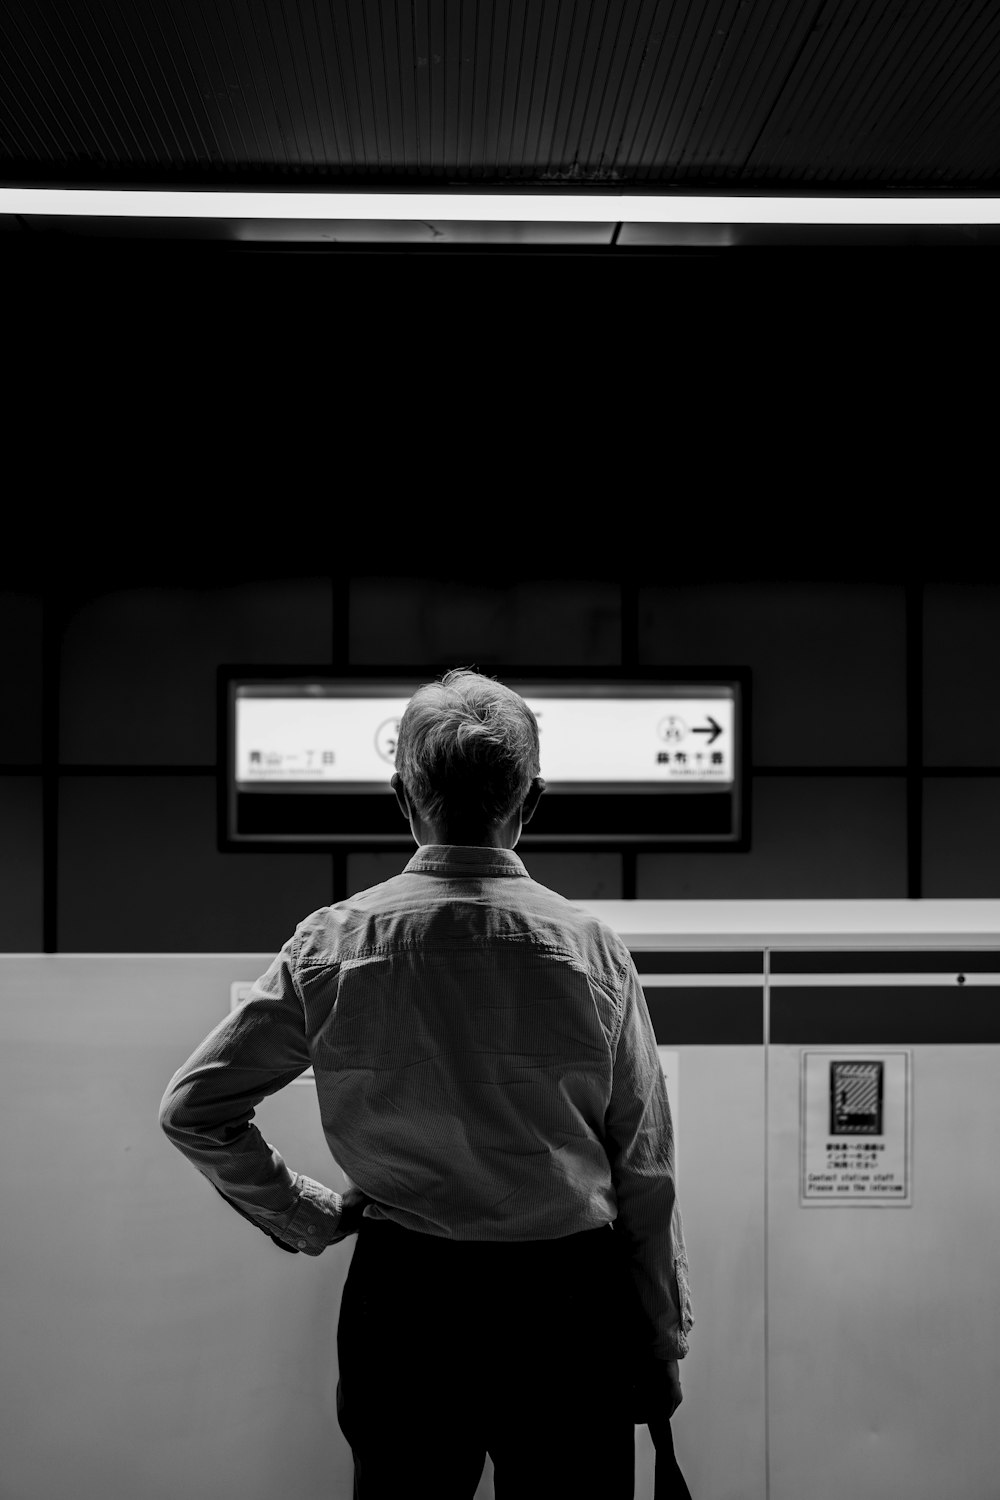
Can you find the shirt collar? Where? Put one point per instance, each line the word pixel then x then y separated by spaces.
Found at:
pixel 464 859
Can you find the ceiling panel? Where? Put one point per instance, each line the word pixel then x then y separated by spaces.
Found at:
pixel 858 92
pixel 665 96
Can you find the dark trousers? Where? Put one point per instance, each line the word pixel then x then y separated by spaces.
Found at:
pixel 450 1350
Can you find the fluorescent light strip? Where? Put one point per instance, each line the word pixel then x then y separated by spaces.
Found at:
pixel 500 207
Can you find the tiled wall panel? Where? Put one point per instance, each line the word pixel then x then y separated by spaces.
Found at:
pixel 828 662
pixel 139 871
pixel 138 664
pixel 20 677
pixel 465 620
pixel 20 864
pixel 961 837
pixel 961 675
pixel 813 836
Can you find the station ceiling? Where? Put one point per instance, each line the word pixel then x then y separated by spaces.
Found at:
pixel 835 98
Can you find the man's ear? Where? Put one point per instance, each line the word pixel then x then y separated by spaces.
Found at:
pixel 531 800
pixel 400 792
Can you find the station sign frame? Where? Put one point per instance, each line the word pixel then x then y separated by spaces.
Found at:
pixel 700 819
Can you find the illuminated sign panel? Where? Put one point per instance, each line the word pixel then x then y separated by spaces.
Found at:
pixel 642 761
pixel 598 740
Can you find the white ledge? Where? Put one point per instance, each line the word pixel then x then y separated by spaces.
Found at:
pixel 843 924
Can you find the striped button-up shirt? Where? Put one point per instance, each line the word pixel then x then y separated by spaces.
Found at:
pixel 485 1065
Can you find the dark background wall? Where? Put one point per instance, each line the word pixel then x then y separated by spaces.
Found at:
pixel 875 737
pixel 764 461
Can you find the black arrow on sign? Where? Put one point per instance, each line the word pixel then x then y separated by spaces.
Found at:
pixel 715 731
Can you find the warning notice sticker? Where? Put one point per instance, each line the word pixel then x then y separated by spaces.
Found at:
pixel 856 1128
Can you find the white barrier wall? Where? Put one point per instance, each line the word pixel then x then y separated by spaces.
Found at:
pixel 154 1343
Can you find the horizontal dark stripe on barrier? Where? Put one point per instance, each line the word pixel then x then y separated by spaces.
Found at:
pixel 820 1014
pixel 887 961
pixel 703 1017
pixel 687 961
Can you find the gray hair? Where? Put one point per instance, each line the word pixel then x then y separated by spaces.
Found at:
pixel 467 751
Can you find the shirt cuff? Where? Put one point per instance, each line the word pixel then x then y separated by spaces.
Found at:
pixel 316 1220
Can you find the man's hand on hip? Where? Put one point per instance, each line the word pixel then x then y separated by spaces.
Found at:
pixel 354 1202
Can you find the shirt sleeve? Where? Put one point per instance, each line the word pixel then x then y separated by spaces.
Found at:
pixel 640 1146
pixel 208 1107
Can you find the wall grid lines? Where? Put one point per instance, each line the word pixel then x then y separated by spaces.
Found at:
pixel 929 793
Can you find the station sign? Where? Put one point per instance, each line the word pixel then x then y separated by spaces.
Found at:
pixel 651 760
pixel 340 739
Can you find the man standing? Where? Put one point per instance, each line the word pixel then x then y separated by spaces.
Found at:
pixel 488 1080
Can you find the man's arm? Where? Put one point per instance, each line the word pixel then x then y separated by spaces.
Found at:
pixel 640 1146
pixel 208 1107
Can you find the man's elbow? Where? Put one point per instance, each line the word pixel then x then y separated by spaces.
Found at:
pixel 169 1110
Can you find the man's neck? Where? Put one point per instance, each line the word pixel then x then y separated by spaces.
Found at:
pixel 484 841
pixel 493 838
